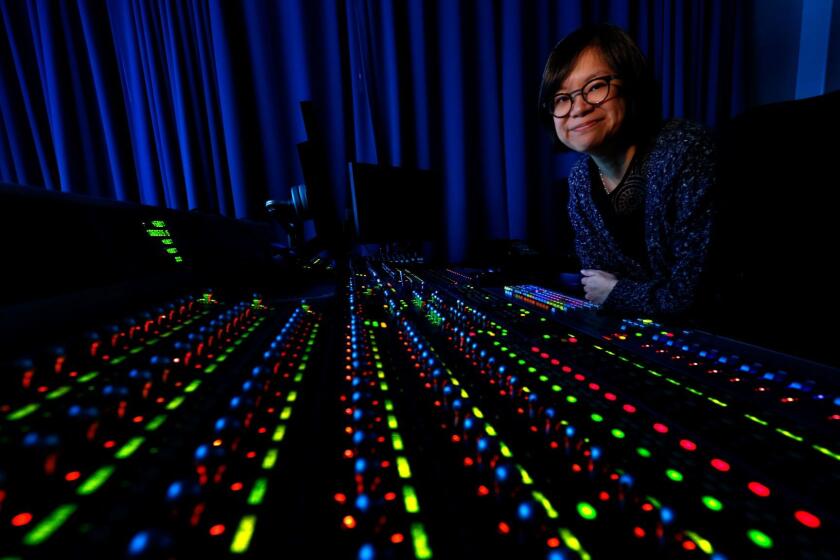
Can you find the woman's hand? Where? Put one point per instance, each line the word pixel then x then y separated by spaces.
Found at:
pixel 597 284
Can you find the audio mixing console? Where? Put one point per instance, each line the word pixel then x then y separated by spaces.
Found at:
pixel 416 414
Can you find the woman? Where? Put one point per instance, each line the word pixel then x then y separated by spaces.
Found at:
pixel 639 201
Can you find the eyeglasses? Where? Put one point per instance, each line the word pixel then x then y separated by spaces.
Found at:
pixel 594 92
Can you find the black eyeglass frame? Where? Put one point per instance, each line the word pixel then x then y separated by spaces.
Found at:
pixel 572 94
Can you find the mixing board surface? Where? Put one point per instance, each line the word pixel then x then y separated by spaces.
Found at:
pixel 413 415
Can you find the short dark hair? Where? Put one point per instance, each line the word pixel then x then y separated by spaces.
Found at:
pixel 639 88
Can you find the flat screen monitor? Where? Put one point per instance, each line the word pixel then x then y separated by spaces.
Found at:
pixel 314 162
pixel 392 204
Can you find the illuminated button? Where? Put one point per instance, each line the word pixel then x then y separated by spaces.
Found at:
pixel 720 465
pixel 363 502
pixel 21 519
pixel 139 543
pixel 807 519
pixel 758 489
pixel 638 532
pixel 760 539
pixel 586 511
pixel 688 445
pixel 366 552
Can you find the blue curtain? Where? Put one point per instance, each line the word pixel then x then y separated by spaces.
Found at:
pixel 195 105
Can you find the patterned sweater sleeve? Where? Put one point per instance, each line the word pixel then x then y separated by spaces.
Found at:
pixel 588 249
pixel 675 291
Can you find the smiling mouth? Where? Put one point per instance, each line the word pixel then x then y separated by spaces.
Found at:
pixel 585 126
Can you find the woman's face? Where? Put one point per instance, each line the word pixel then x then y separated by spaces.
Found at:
pixel 590 128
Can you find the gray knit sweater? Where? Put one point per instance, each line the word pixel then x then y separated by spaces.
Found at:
pixel 680 170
